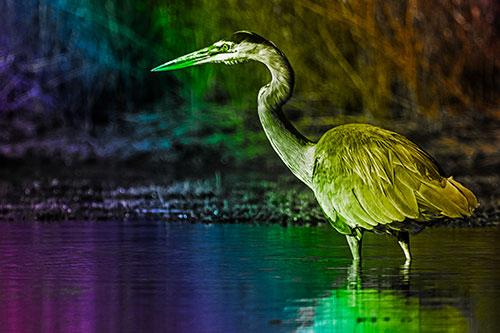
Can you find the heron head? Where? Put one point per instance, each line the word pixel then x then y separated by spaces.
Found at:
pixel 242 46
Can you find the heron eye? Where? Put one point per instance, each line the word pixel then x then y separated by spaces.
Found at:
pixel 224 48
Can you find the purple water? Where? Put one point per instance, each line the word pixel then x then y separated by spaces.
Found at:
pixel 160 277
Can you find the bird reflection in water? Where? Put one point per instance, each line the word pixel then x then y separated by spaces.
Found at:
pixel 376 306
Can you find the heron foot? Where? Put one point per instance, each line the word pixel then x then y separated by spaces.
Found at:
pixel 354 275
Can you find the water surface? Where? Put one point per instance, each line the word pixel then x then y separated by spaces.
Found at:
pixel 177 277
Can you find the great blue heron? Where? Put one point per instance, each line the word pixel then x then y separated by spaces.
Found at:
pixel 364 177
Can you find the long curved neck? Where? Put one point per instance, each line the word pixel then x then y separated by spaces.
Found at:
pixel 292 147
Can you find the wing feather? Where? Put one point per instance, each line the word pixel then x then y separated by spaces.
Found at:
pixel 384 212
pixel 371 176
pixel 349 207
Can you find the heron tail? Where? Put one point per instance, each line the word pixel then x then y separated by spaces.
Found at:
pixel 469 196
pixel 447 197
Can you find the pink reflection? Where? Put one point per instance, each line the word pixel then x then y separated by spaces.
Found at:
pixel 47 288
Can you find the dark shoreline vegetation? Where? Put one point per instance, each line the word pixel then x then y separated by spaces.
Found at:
pixel 119 192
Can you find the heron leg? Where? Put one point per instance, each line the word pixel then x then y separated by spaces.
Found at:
pixel 404 241
pixel 354 241
pixel 354 276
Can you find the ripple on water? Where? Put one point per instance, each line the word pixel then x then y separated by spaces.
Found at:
pixel 105 276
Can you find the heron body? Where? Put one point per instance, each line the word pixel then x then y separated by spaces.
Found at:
pixel 364 177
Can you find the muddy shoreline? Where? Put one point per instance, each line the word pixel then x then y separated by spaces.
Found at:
pixel 117 193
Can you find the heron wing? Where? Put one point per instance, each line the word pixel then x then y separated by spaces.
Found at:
pixel 370 176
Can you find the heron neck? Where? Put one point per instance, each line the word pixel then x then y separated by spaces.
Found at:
pixel 296 151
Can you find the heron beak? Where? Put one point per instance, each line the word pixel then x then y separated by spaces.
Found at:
pixel 192 59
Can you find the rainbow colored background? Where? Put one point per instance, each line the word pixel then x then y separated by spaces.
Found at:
pixel 76 81
pixel 76 86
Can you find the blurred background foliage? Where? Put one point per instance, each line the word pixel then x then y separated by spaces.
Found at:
pixel 76 82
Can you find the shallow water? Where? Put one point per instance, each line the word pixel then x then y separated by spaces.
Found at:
pixel 173 277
